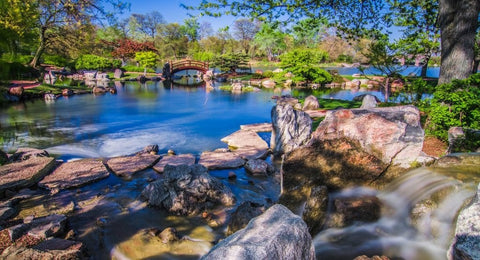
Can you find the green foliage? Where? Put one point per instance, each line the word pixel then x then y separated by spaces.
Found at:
pixel 230 62
pixel 455 104
pixel 345 58
pixel 23 59
pixel 203 56
pixel 257 76
pixel 94 62
pixel 147 59
pixel 467 143
pixel 302 63
pixel 270 40
pixel 268 74
pixel 413 90
pixel 56 60
pixel 133 68
pixel 16 70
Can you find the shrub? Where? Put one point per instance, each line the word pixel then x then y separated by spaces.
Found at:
pixel 16 70
pixel 302 63
pixel 268 74
pixel 203 56
pixel 93 62
pixel 55 60
pixel 257 76
pixel 455 104
pixel 23 59
pixel 147 59
pixel 133 68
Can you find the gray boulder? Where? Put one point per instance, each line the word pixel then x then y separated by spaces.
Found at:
pixel 466 244
pixel 311 103
pixel 291 128
pixel 276 234
pixel 187 190
pixel 118 74
pixel 247 144
pixel 242 215
pixel 258 167
pixel 369 101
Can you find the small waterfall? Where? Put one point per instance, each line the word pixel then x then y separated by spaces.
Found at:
pixel 418 213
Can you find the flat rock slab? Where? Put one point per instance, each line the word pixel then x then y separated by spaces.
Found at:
pixel 187 159
pixel 260 127
pixel 75 174
pixel 220 160
pixel 25 173
pixel 247 144
pixel 127 165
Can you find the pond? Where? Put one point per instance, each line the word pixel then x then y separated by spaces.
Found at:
pixel 185 119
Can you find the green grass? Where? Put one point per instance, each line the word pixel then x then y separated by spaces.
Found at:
pixel 55 89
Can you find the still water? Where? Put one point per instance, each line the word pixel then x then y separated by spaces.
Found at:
pixel 185 119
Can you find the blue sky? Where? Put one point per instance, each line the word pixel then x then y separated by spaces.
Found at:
pixel 173 12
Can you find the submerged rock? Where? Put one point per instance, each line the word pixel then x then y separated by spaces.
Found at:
pixel 187 159
pixel 54 248
pixel 258 167
pixel 291 128
pixel 187 190
pixel 75 174
pixel 127 165
pixel 276 234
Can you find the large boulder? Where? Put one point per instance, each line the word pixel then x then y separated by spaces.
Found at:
pixel 187 190
pixel 118 74
pixel 315 211
pixel 392 134
pixel 276 234
pixel 75 174
pixel 466 244
pixel 291 128
pixel 369 101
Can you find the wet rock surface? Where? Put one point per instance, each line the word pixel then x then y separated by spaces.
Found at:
pixel 466 244
pixel 75 174
pixel 187 159
pixel 187 190
pixel 247 144
pixel 276 234
pixel 261 127
pixel 127 165
pixel 259 167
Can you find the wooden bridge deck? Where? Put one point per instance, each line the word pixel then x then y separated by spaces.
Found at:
pixel 187 64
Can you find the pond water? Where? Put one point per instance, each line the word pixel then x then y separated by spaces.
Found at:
pixel 185 119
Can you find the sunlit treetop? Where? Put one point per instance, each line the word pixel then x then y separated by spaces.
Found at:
pixel 354 17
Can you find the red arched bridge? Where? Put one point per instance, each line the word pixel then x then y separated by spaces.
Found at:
pixel 187 64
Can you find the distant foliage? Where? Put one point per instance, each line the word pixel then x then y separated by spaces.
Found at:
pixel 302 63
pixel 133 68
pixel 203 56
pixel 455 104
pixel 94 62
pixel 55 60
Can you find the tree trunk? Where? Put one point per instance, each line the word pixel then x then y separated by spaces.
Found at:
pixel 476 62
pixel 458 21
pixel 40 48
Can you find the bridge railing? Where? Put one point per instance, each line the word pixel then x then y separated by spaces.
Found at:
pixel 187 63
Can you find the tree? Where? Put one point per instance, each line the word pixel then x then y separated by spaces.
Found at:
pixel 147 24
pixel 205 30
pixel 308 32
pixel 457 20
pixel 172 39
pixel 230 62
pixel 126 49
pixel 147 59
pixel 244 30
pixel 270 40
pixel 190 28
pixel 17 22
pixel 421 36
pixel 54 14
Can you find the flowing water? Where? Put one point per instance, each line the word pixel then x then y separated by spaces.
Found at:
pixel 418 213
